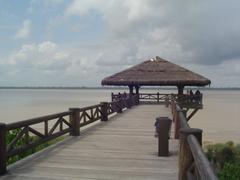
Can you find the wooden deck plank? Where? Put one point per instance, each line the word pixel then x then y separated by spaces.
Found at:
pixel 122 148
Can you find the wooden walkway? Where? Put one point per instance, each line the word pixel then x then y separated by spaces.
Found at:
pixel 122 148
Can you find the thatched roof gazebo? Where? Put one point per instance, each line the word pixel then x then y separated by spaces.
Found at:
pixel 156 72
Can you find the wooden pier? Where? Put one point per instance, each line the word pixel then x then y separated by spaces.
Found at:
pixel 122 148
pixel 118 139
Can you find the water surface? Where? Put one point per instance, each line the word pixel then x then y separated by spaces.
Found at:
pixel 220 117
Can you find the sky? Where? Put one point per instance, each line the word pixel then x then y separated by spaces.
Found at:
pixel 79 42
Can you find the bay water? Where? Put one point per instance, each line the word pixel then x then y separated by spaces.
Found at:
pixel 219 118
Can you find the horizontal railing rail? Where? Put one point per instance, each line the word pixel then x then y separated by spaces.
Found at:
pixel 153 97
pixel 31 133
pixel 34 121
pixel 201 162
pixel 89 114
pixel 193 163
pixel 184 100
pixel 25 129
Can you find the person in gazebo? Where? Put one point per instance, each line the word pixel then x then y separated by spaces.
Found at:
pixel 198 96
pixel 191 96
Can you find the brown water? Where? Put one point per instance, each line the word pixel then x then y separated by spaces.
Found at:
pixel 220 117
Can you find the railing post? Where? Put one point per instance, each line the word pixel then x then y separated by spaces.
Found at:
pixel 129 103
pixel 119 106
pixel 75 121
pixel 163 125
pixel 177 122
pixel 185 155
pixel 173 104
pixel 167 101
pixel 158 97
pixel 3 154
pixel 112 96
pixel 137 99
pixel 133 100
pixel 104 111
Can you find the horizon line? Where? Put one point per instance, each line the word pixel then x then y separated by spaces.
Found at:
pixel 108 87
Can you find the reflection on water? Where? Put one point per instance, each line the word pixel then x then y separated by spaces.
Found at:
pixel 220 118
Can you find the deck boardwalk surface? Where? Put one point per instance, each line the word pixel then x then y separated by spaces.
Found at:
pixel 122 148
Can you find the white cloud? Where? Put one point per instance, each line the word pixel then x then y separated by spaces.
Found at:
pixel 194 27
pixel 40 56
pixel 54 1
pixel 49 63
pixel 25 30
pixel 189 34
pixel 46 47
pixel 82 7
pixel 196 35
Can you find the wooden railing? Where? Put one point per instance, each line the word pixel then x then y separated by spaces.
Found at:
pixel 25 129
pixel 157 97
pixel 184 100
pixel 49 127
pixel 152 97
pixel 193 163
pixel 187 100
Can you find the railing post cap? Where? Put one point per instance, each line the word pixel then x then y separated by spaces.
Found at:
pixel 163 121
pixel 2 125
pixel 163 118
pixel 104 102
pixel 74 109
pixel 189 131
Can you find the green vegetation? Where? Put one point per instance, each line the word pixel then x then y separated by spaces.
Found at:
pixel 225 159
pixel 12 134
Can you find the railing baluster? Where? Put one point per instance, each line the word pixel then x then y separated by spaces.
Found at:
pixel 61 124
pixel 84 116
pixel 27 135
pixel 91 114
pixel 46 128
pixel 18 136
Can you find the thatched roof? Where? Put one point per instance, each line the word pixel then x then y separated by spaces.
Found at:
pixel 156 72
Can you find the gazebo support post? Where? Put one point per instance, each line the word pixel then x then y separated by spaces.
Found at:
pixel 130 90
pixel 137 93
pixel 180 90
pixel 137 89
